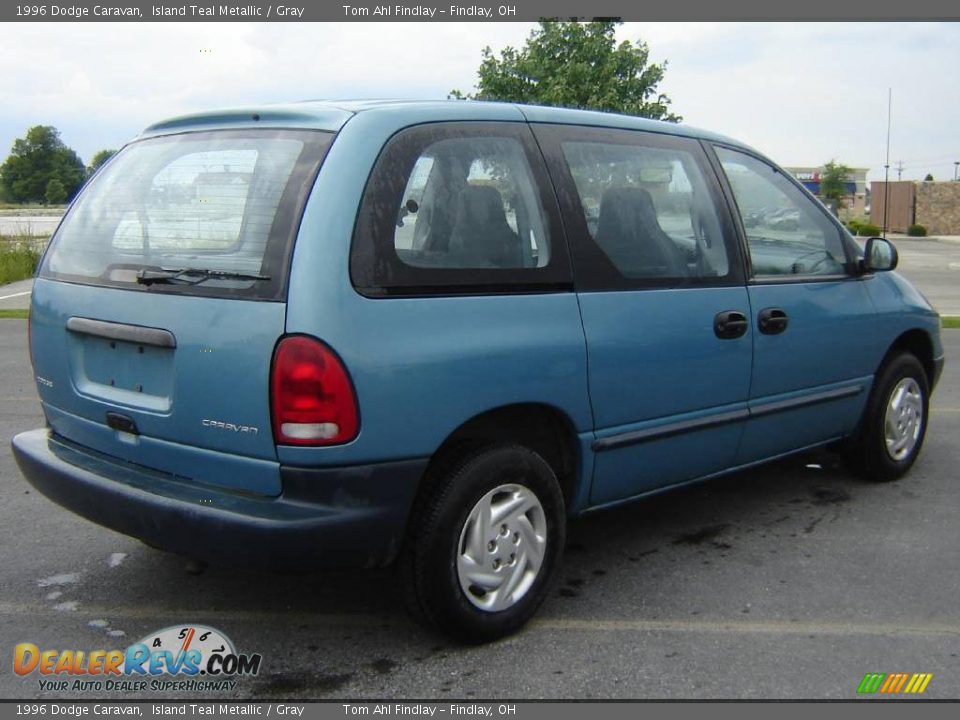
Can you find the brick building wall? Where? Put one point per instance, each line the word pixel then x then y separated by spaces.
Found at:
pixel 938 207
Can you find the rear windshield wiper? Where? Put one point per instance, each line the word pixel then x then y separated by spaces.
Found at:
pixel 191 276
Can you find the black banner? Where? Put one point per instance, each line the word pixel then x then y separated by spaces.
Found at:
pixel 506 11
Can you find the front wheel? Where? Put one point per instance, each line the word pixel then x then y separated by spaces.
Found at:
pixel 484 543
pixel 894 423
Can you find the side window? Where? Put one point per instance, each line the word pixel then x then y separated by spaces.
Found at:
pixel 786 232
pixel 458 207
pixel 471 203
pixel 648 209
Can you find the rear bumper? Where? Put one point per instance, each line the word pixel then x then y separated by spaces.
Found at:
pixel 331 517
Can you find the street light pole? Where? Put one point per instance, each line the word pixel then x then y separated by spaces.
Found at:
pixel 886 168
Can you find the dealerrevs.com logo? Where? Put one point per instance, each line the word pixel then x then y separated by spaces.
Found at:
pixel 187 658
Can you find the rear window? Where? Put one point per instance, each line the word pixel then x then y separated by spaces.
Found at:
pixel 210 213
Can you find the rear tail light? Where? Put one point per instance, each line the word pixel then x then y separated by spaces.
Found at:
pixel 312 398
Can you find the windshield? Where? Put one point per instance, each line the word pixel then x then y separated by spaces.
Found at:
pixel 224 203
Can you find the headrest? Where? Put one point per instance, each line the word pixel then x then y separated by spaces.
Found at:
pixel 480 205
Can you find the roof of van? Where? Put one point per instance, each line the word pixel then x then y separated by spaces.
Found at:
pixel 333 114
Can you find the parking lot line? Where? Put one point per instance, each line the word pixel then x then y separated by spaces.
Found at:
pixel 770 627
pixel 742 627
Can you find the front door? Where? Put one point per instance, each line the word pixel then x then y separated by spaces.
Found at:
pixel 664 307
pixel 811 314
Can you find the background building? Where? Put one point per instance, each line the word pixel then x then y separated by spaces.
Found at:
pixel 855 203
pixel 935 205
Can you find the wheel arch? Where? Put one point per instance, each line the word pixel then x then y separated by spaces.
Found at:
pixel 543 428
pixel 918 343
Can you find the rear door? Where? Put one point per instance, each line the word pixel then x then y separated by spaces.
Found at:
pixel 663 304
pixel 162 296
pixel 813 319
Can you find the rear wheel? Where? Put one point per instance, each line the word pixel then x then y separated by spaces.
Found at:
pixel 484 542
pixel 894 423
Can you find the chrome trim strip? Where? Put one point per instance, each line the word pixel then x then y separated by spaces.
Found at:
pixel 675 428
pixel 815 399
pixel 683 426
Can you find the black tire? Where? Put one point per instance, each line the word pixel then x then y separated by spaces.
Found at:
pixel 428 562
pixel 866 453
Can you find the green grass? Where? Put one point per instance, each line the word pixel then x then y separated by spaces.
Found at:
pixel 13 314
pixel 17 261
pixel 951 322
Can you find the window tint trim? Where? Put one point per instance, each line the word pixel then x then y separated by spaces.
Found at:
pixel 593 271
pixel 372 253
pixel 734 209
pixel 486 285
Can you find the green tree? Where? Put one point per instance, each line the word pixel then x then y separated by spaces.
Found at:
pixel 833 183
pixel 576 65
pixel 928 178
pixel 56 193
pixel 35 160
pixel 99 159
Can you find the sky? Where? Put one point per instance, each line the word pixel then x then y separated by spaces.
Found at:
pixel 803 93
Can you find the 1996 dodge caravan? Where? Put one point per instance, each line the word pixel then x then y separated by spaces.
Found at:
pixel 431 333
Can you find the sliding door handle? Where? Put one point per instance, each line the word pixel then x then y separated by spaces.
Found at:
pixel 772 321
pixel 730 324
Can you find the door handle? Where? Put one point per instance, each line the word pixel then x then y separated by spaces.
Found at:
pixel 772 320
pixel 730 324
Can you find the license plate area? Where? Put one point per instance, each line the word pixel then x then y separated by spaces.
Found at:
pixel 122 372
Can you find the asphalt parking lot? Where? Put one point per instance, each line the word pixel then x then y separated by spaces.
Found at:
pixel 790 581
pixel 934 267
pixel 28 224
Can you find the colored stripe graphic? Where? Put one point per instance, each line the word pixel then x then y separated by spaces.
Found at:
pixel 871 683
pixel 921 685
pixel 889 682
pixel 900 683
pixel 894 683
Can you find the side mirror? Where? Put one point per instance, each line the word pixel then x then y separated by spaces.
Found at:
pixel 879 255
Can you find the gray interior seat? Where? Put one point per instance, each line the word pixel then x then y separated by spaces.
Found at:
pixel 481 236
pixel 630 234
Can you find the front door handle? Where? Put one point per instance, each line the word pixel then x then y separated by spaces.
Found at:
pixel 730 324
pixel 772 320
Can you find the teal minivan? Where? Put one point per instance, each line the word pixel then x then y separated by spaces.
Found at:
pixel 431 333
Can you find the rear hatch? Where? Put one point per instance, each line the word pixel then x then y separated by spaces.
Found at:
pixel 161 298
